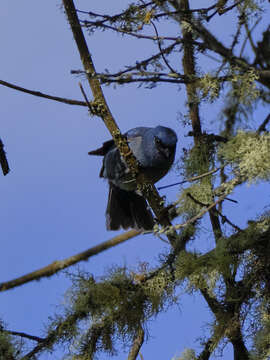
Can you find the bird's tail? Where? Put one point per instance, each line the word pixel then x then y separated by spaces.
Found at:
pixel 127 209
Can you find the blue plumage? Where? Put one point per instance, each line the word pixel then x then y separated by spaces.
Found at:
pixel 154 149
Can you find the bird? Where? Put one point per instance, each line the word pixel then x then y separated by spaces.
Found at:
pixel 154 149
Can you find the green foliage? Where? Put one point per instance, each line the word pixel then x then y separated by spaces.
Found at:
pixel 187 354
pixel 115 307
pixel 261 349
pixel 201 192
pixel 244 86
pixel 196 161
pixel 249 153
pixel 210 87
pixel 9 348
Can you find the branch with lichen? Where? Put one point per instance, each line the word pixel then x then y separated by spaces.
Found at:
pixel 59 265
pixel 147 189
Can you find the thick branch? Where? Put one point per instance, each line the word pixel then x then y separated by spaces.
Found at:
pixel 40 94
pixel 137 344
pixel 56 266
pixel 189 71
pixel 24 335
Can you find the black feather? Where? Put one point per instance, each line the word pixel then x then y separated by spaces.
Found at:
pixel 104 149
pixel 127 209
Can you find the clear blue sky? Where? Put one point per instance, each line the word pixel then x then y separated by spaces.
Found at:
pixel 53 202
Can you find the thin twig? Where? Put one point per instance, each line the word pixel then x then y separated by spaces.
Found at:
pixel 40 94
pixel 194 178
pixel 198 216
pixel 85 98
pixel 113 17
pixel 139 64
pixel 57 266
pixel 88 24
pixel 224 218
pixel 248 37
pixel 222 12
pixel 161 50
pixel 262 127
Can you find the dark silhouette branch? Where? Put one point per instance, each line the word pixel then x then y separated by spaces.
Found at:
pixel 203 212
pixel 114 17
pixel 24 335
pixel 207 351
pixel 194 178
pixel 40 94
pixel 189 71
pixel 89 24
pixel 139 64
pixel 262 127
pixel 3 159
pixel 223 217
pixel 57 266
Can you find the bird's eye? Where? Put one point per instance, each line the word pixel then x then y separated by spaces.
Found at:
pixel 158 141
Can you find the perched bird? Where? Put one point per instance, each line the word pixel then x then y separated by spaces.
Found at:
pixel 154 149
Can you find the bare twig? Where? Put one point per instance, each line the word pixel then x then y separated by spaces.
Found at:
pixel 262 127
pixel 224 218
pixel 57 266
pixel 198 216
pixel 161 50
pixel 85 97
pixel 194 178
pixel 249 37
pixel 113 17
pixel 3 159
pixel 223 11
pixel 139 65
pixel 40 94
pixel 87 24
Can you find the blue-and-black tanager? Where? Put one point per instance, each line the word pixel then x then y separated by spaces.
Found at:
pixel 154 149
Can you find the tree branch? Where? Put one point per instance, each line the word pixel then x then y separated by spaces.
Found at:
pixel 24 335
pixel 137 344
pixel 147 189
pixel 40 94
pixel 88 24
pixel 189 71
pixel 57 266
pixel 138 66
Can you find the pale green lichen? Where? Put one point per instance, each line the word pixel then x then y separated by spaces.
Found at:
pixel 202 192
pixel 244 86
pixel 261 349
pixel 249 153
pixel 186 26
pixel 187 354
pixel 209 86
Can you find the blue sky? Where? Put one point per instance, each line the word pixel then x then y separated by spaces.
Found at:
pixel 53 202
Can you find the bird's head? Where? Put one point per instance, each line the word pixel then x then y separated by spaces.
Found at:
pixel 165 141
